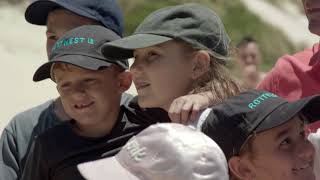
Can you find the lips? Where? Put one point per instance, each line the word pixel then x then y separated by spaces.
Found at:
pixel 307 166
pixel 83 105
pixel 301 168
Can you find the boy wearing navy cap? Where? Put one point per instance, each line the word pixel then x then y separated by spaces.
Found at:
pixel 263 136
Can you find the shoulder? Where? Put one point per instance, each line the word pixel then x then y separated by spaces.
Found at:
pixel 145 115
pixel 282 70
pixel 28 118
pixel 202 117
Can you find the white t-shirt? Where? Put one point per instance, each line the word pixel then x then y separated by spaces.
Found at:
pixel 315 140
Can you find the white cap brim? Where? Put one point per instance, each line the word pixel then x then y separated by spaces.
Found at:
pixel 108 168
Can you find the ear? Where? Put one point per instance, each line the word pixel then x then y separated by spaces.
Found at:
pixel 201 64
pixel 125 80
pixel 240 168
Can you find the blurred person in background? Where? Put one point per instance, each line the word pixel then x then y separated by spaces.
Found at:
pixel 297 76
pixel 249 59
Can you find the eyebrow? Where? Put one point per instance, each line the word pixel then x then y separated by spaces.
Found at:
pixel 287 130
pixel 283 133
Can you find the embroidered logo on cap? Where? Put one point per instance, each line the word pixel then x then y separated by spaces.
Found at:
pixel 135 151
pixel 256 102
pixel 72 41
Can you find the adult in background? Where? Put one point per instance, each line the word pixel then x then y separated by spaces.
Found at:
pixel 297 76
pixel 249 60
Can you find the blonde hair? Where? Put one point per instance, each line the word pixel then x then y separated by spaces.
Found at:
pixel 218 80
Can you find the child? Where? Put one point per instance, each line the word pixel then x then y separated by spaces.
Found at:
pixel 90 87
pixel 263 136
pixel 178 50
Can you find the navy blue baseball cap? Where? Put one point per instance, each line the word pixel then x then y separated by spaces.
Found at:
pixel 107 12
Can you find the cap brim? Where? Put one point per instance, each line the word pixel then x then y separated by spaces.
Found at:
pixel 308 106
pixel 37 12
pixel 86 62
pixel 123 48
pixel 104 168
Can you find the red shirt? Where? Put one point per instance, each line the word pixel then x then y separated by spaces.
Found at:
pixel 295 76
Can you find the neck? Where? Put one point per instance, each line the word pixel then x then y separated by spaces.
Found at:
pixel 98 129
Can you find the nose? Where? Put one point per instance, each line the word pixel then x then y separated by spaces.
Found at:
pixel 78 92
pixel 306 151
pixel 136 67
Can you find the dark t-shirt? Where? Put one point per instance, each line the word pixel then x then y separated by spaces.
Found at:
pixel 18 135
pixel 57 152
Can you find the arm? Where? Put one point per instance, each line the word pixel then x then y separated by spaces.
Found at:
pixel 9 166
pixel 36 167
pixel 187 108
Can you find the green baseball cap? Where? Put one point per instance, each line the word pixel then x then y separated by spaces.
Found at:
pixel 192 23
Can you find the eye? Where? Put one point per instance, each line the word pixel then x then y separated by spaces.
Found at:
pixel 152 55
pixel 303 134
pixel 90 81
pixel 285 142
pixel 63 88
pixel 51 36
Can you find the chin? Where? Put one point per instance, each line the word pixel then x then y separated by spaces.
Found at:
pixel 147 103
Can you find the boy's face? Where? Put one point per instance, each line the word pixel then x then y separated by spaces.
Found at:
pixel 282 153
pixel 59 22
pixel 161 73
pixel 88 96
pixel 312 10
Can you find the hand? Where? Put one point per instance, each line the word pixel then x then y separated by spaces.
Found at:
pixel 186 108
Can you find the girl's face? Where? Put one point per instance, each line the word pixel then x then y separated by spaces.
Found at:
pixel 283 153
pixel 162 73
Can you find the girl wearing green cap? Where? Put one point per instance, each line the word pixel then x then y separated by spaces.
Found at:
pixel 179 50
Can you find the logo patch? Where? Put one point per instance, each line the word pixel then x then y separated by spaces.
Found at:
pixel 256 102
pixel 72 41
pixel 135 151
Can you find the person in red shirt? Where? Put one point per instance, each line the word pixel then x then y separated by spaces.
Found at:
pixel 297 76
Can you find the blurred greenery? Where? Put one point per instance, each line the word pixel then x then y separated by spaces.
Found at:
pixel 238 21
